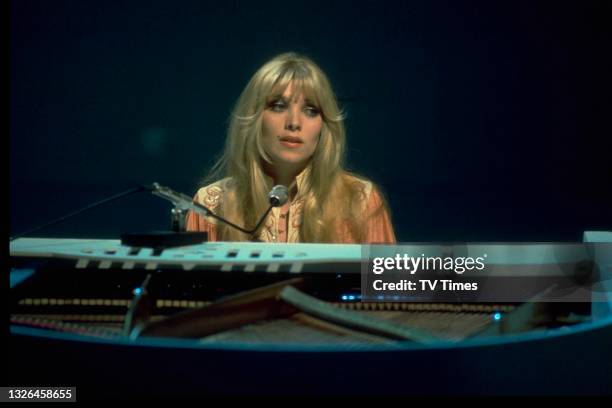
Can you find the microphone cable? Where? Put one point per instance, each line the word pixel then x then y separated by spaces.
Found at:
pixel 77 212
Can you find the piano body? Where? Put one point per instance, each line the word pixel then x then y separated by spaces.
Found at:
pixel 256 318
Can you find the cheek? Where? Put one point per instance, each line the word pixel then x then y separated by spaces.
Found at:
pixel 315 133
pixel 269 125
pixel 266 127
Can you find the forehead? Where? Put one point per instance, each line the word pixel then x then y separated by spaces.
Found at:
pixel 295 91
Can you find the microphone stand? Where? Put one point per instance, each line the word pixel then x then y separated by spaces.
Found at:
pixel 183 202
pixel 159 240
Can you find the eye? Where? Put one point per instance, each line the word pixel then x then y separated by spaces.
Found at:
pixel 277 105
pixel 311 111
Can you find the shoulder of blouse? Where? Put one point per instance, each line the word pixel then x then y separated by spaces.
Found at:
pixel 211 196
pixel 373 199
pixel 365 186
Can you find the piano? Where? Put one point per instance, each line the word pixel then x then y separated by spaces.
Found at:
pixel 261 319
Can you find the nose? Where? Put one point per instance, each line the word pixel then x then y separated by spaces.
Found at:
pixel 293 122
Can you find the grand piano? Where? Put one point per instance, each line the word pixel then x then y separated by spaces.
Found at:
pixel 292 319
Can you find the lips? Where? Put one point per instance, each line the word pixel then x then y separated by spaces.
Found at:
pixel 291 139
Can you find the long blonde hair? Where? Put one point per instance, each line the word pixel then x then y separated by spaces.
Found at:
pixel 330 193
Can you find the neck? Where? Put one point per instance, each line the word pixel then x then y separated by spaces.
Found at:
pixel 283 174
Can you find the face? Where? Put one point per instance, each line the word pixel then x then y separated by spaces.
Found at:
pixel 291 128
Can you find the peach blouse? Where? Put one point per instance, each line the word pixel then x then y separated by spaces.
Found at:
pixel 279 229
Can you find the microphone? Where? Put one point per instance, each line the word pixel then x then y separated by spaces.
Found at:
pixel 278 196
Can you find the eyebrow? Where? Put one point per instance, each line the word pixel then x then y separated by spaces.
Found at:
pixel 275 97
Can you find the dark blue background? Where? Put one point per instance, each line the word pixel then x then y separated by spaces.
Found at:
pixel 482 121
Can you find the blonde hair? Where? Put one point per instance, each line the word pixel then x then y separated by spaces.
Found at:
pixel 330 193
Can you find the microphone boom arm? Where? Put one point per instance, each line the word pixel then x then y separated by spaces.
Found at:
pixel 184 202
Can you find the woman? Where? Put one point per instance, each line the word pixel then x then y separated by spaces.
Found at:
pixel 287 128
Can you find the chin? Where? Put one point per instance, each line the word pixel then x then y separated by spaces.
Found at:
pixel 292 158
